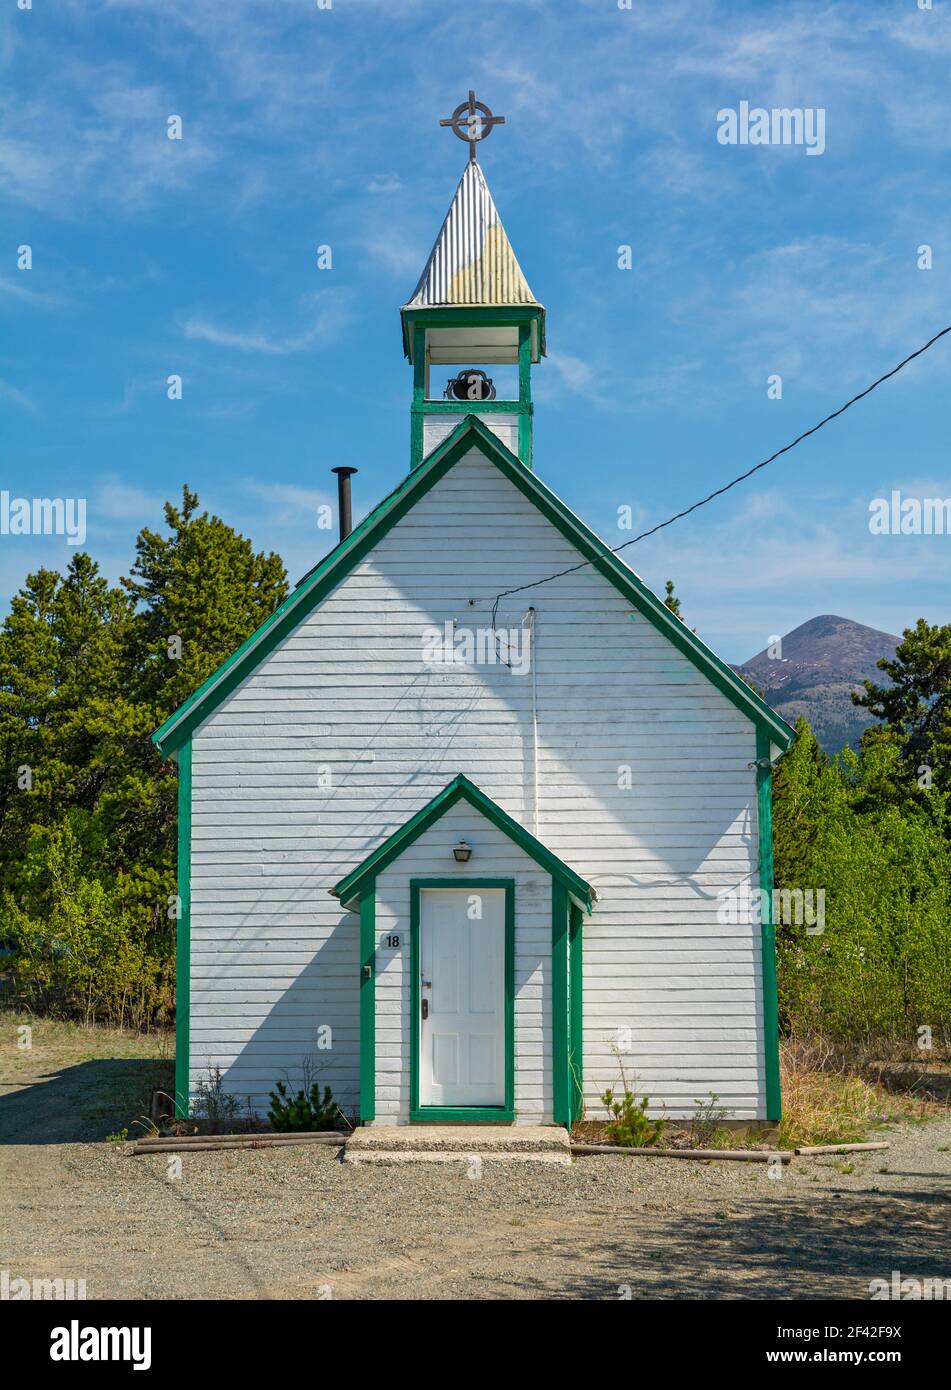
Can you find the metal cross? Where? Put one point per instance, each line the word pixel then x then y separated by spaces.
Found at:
pixel 472 121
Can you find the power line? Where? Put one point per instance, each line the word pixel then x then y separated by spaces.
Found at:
pixel 612 550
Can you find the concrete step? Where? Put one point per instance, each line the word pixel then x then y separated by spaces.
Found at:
pixel 458 1144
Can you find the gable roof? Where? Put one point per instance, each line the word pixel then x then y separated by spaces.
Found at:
pixel 460 789
pixel 334 567
pixel 472 261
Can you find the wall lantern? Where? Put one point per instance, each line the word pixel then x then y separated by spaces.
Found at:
pixel 461 852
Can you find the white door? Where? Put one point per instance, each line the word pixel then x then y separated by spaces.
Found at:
pixel 462 996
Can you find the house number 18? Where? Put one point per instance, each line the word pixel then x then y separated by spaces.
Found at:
pixel 393 942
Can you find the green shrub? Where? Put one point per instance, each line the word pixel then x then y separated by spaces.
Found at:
pixel 303 1112
pixel 629 1125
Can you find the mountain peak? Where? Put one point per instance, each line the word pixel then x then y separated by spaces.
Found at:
pixel 815 670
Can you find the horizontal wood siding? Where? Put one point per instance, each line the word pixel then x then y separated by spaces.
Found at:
pixel 348 694
pixel 436 428
pixel 493 856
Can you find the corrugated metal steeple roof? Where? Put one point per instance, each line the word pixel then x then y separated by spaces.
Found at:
pixel 472 261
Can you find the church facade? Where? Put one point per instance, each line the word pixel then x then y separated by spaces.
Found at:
pixel 472 821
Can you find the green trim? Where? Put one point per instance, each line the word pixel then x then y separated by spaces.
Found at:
pixel 413 997
pixel 472 316
pixel 764 820
pixel 525 438
pixel 576 1011
pixel 476 408
pixel 416 326
pixel 183 932
pixel 416 438
pixel 422 406
pixel 422 1114
pixel 525 394
pixel 461 1115
pixel 419 395
pixel 469 433
pixel 561 1080
pixel 368 1004
pixel 419 365
pixel 523 411
pixel 459 789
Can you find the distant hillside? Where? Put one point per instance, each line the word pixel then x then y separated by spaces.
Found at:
pixel 823 661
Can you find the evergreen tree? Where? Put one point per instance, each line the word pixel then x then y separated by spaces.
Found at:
pixel 87 671
pixel 199 593
pixel 62 711
pixel 916 706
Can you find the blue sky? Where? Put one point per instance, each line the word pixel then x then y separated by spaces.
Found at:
pixel 305 126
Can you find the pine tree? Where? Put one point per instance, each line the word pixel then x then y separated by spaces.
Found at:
pixel 916 706
pixel 87 671
pixel 62 712
pixel 200 592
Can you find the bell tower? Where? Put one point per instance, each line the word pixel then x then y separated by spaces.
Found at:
pixel 472 310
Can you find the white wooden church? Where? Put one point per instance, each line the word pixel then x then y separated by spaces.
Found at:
pixel 462 839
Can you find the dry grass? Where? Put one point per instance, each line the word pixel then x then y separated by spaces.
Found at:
pixel 827 1101
pixel 77 1082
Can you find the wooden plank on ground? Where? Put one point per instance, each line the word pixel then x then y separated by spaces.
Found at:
pixel 737 1155
pixel 841 1148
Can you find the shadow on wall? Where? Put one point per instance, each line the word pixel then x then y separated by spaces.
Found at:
pixel 320 1006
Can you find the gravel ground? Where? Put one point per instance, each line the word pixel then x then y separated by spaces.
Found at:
pixel 296 1223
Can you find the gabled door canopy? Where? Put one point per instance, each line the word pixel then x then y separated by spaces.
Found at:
pixel 351 888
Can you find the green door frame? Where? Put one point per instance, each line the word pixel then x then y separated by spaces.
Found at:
pixel 567 1007
pixel 575 1012
pixel 368 1003
pixel 445 1114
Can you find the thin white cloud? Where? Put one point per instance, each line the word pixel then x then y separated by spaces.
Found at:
pixel 15 396
pixel 117 500
pixel 329 317
pixel 287 504
pixel 385 183
pixel 787 546
pixel 24 292
pixel 60 154
pixel 609 386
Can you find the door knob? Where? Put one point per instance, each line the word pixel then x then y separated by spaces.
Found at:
pixel 424 1008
